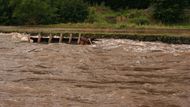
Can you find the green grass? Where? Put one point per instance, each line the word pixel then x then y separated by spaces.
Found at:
pixel 103 17
pixel 115 26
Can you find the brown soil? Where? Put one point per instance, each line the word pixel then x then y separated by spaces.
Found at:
pixel 111 73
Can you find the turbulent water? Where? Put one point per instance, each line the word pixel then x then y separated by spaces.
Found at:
pixel 110 73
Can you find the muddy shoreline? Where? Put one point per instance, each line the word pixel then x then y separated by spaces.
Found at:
pixel 171 36
pixel 110 73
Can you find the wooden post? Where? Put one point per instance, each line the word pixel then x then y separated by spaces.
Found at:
pixel 79 38
pixel 50 38
pixel 70 38
pixel 90 41
pixel 61 38
pixel 39 38
pixel 29 38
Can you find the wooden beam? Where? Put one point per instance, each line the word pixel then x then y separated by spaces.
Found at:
pixel 79 38
pixel 39 38
pixel 50 38
pixel 90 41
pixel 61 38
pixel 70 38
pixel 29 38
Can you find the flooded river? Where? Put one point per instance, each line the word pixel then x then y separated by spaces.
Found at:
pixel 110 73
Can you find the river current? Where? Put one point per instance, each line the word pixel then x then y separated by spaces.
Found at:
pixel 110 73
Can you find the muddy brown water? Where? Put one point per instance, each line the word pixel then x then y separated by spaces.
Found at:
pixel 110 73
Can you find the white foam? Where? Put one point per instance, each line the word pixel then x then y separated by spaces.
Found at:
pixel 17 37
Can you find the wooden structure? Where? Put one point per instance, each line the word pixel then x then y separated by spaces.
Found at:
pixel 69 38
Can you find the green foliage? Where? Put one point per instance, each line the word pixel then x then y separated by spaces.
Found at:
pixel 3 9
pixel 72 11
pixel 92 17
pixel 135 13
pixel 140 21
pixel 169 11
pixel 133 4
pixel 5 12
pixel 122 4
pixel 138 17
pixel 33 12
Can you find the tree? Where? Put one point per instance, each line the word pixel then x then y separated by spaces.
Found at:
pixel 169 11
pixel 5 13
pixel 72 11
pixel 122 4
pixel 95 2
pixel 33 12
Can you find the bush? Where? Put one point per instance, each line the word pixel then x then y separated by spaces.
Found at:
pixel 31 12
pixel 169 11
pixel 122 26
pixel 132 4
pixel 140 21
pixel 92 17
pixel 138 17
pixel 5 13
pixel 135 13
pixel 72 11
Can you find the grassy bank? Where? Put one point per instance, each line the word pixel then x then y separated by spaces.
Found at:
pixel 178 32
pixel 103 17
pixel 166 35
pixel 106 23
pixel 115 26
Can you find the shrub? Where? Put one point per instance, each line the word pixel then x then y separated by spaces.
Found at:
pixel 5 12
pixel 92 17
pixel 122 26
pixel 169 11
pixel 33 12
pixel 138 17
pixel 140 20
pixel 132 4
pixel 72 11
pixel 135 13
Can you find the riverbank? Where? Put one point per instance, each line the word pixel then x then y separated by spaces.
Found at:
pixel 166 35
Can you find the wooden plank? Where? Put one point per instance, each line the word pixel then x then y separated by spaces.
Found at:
pixel 61 38
pixel 79 38
pixel 29 38
pixel 50 38
pixel 39 38
pixel 90 41
pixel 70 38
